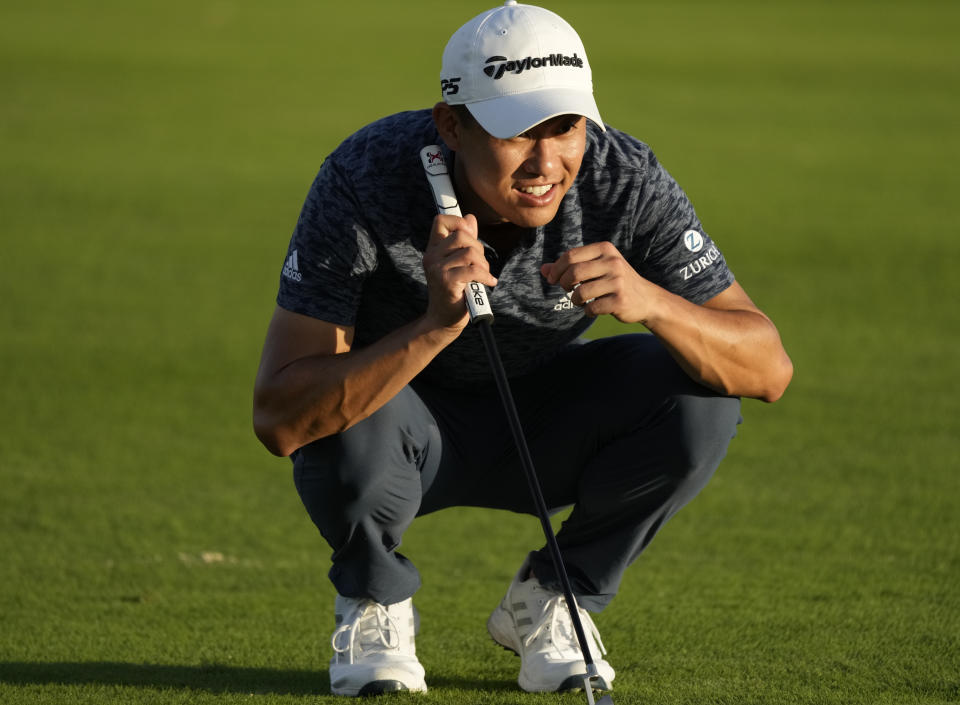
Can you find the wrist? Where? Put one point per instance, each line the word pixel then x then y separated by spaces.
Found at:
pixel 437 334
pixel 657 305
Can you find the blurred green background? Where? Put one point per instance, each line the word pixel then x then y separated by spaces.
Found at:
pixel 153 160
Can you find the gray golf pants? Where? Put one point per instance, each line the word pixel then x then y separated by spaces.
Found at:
pixel 615 428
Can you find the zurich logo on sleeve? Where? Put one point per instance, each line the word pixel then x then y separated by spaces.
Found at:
pixel 693 240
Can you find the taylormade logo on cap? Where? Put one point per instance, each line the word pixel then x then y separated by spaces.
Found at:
pixel 521 65
pixel 537 64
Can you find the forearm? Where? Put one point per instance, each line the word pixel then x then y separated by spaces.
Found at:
pixel 732 351
pixel 727 343
pixel 319 395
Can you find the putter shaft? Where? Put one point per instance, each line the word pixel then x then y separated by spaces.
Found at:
pixel 526 460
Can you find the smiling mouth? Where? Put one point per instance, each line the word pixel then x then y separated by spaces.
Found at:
pixel 536 190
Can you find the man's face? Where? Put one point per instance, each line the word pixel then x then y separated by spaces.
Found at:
pixel 522 179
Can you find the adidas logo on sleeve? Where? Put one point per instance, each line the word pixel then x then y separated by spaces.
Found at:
pixel 291 268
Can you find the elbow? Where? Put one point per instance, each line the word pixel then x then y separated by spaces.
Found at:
pixel 282 439
pixel 272 434
pixel 778 380
pixel 282 430
pixel 272 440
pixel 273 428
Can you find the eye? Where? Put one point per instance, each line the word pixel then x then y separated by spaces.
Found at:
pixel 568 124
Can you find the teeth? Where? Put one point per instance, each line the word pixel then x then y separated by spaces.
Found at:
pixel 536 190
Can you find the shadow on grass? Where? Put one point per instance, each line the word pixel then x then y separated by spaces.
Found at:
pixel 214 678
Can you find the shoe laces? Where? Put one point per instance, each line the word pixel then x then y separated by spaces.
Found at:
pixel 371 629
pixel 556 624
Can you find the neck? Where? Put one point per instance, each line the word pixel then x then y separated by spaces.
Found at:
pixel 503 238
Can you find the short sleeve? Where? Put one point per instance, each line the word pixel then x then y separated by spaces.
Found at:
pixel 330 253
pixel 681 257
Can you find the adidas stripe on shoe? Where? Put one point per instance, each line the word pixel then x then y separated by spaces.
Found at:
pixel 534 623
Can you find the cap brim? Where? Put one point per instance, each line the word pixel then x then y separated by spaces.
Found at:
pixel 508 116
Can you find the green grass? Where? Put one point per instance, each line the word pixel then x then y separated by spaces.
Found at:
pixel 153 159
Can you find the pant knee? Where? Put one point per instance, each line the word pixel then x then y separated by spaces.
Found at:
pixel 369 474
pixel 348 484
pixel 702 428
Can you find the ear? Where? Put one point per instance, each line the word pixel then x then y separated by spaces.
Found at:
pixel 448 124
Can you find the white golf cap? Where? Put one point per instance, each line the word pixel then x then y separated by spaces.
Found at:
pixel 515 66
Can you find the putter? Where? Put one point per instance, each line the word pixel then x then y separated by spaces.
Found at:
pixel 481 314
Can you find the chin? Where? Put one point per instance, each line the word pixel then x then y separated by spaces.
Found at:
pixel 532 218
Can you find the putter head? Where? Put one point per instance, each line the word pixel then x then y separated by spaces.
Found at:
pixel 589 678
pixel 588 689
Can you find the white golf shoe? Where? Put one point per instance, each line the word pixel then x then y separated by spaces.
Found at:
pixel 374 650
pixel 534 623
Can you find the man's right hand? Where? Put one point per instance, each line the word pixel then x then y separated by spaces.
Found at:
pixel 312 382
pixel 454 258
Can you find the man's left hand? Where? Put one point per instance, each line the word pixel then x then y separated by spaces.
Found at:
pixel 602 281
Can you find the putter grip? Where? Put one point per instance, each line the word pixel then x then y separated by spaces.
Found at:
pixel 475 293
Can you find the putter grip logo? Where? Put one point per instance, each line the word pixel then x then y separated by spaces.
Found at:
pixel 477 303
pixel 478 295
pixel 499 65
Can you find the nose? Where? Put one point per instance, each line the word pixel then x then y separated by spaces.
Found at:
pixel 542 158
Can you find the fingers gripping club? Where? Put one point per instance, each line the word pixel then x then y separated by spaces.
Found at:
pixel 478 303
